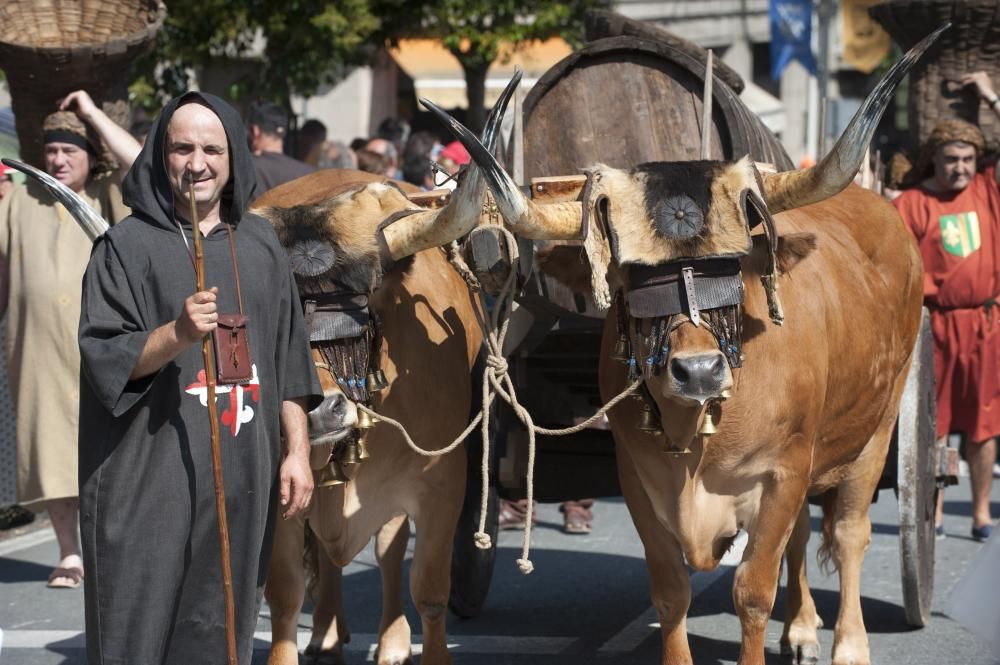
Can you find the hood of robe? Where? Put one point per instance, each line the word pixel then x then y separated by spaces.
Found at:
pixel 146 188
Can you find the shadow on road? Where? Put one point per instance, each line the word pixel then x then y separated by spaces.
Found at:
pixel 964 508
pixel 15 570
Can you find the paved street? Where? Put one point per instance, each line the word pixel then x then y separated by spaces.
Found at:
pixel 587 601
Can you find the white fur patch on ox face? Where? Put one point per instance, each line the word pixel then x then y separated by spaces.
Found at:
pixel 628 207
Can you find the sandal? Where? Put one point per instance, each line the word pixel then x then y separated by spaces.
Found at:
pixel 576 521
pixel 65 577
pixel 514 515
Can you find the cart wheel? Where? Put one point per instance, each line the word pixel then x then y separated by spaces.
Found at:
pixel 471 567
pixel 916 480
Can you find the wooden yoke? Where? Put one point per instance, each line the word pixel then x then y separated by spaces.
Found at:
pixel 557 188
pixel 544 189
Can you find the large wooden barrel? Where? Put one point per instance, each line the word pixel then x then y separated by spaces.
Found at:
pixel 601 24
pixel 623 101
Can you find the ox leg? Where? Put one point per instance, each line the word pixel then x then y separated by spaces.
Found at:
pixel 285 589
pixel 430 577
pixel 394 643
pixel 756 580
pixel 670 585
pixel 851 537
pixel 851 533
pixel 799 641
pixel 330 632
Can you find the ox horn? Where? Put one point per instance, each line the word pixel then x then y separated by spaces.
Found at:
pixel 555 221
pixel 433 228
pixel 92 223
pixel 794 189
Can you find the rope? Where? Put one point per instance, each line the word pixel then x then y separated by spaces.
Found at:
pixel 497 381
pixel 460 266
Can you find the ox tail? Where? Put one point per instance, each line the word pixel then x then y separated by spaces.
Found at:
pixel 824 556
pixel 310 562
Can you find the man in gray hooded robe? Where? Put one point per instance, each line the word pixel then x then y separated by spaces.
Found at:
pixel 153 586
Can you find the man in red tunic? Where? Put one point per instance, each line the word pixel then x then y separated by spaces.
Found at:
pixel 954 213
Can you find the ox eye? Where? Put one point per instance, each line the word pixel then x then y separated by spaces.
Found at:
pixel 679 217
pixel 311 258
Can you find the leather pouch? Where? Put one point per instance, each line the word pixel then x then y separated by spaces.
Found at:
pixel 232 350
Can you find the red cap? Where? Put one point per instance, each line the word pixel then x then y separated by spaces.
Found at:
pixel 456 152
pixel 6 171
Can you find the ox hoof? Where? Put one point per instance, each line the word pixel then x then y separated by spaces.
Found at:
pixel 314 656
pixel 396 660
pixel 800 654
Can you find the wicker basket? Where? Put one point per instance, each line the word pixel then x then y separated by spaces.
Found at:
pixel 972 43
pixel 48 48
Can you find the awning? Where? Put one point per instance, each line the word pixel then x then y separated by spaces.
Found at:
pixel 437 75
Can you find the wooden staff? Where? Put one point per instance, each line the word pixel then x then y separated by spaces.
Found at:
pixel 213 420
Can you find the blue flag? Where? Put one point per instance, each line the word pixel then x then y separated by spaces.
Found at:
pixel 791 35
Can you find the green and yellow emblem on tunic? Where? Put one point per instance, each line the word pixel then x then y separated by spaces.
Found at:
pixel 960 233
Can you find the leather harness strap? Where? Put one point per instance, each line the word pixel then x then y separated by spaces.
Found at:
pixel 383 246
pixel 236 270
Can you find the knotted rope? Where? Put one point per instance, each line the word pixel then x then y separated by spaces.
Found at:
pixel 497 381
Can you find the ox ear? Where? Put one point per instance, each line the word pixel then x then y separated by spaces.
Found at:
pixel 795 189
pixel 792 248
pixel 278 218
pixel 568 265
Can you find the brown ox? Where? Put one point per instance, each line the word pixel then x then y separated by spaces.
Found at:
pixel 805 407
pixel 430 341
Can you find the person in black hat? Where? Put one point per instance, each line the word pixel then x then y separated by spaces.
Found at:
pixel 267 124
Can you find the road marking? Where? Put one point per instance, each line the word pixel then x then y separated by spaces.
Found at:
pixel 364 643
pixel 635 633
pixel 26 541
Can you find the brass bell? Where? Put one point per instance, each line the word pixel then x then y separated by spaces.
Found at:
pixel 650 422
pixel 365 421
pixel 330 475
pixel 376 381
pixel 363 453
pixel 708 421
pixel 621 350
pixel 351 454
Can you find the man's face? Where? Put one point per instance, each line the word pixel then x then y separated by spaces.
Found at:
pixel 69 164
pixel 954 166
pixel 197 151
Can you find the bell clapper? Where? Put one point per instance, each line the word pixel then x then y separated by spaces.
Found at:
pixel 331 474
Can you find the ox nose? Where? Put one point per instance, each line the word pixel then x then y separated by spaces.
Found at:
pixel 699 376
pixel 332 419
